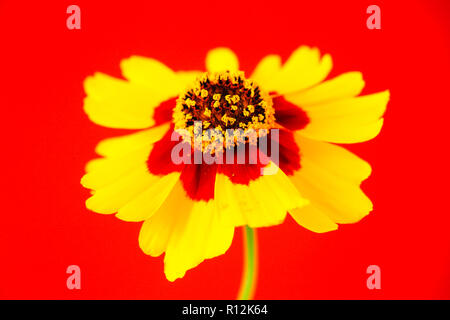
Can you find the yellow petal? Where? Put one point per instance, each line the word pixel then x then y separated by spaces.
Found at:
pixel 110 198
pixel 304 68
pixel 104 171
pixel 186 78
pixel 152 74
pixel 121 145
pixel 263 202
pixel 314 219
pixel 158 229
pixel 220 236
pixel 123 154
pixel 225 201
pixel 144 205
pixel 346 85
pixel 198 237
pixel 341 162
pixel 362 109
pixel 188 231
pixel 347 121
pixel 265 70
pixel 221 59
pixel 117 103
pixel 340 133
pixel 330 179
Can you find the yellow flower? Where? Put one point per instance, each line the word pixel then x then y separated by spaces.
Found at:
pixel 190 211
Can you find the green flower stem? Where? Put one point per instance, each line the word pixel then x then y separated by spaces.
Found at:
pixel 248 282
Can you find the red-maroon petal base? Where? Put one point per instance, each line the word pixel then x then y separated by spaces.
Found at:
pixel 198 179
pixel 289 115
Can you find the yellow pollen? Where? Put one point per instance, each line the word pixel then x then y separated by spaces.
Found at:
pixel 245 106
pixel 190 102
pixel 247 84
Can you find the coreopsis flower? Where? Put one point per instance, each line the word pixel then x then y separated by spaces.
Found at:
pixel 189 209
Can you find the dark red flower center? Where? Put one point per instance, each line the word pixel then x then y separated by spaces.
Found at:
pixel 198 179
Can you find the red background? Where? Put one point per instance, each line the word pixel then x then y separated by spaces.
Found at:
pixel 47 139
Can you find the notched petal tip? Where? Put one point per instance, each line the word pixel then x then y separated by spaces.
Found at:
pixel 269 66
pixel 172 276
pixel 303 69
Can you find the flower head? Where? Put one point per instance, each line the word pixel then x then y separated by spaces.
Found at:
pixel 224 101
pixel 190 209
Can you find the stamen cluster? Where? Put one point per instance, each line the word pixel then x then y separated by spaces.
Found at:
pixel 224 101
